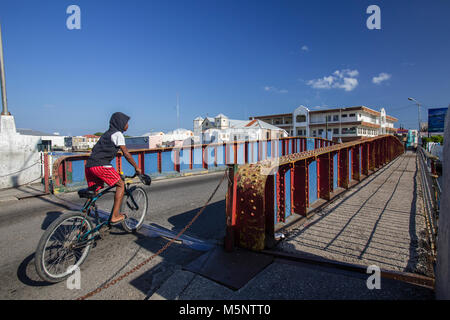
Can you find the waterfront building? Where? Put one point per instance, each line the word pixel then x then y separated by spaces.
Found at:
pixel 346 124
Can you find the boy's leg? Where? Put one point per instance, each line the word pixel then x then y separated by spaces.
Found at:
pixel 120 190
pixel 112 178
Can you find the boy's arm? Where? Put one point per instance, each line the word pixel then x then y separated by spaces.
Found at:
pixel 130 159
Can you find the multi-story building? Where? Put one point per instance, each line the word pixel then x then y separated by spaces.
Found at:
pixel 345 124
pixel 222 129
pixel 78 143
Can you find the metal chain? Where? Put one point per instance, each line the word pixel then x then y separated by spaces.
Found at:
pixel 167 245
pixel 21 170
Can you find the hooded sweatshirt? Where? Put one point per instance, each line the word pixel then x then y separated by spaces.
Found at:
pixel 105 149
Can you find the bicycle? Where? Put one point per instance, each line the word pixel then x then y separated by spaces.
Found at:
pixel 66 243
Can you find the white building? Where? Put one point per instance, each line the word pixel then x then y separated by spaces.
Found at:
pixel 47 141
pixel 169 139
pixel 177 137
pixel 222 129
pixel 343 123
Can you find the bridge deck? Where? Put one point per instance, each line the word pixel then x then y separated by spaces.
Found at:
pixel 379 221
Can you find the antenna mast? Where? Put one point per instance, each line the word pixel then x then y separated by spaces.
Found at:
pixel 178 113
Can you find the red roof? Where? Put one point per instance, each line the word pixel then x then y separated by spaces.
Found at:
pixel 91 136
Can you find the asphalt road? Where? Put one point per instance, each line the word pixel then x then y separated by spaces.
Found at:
pixel 172 204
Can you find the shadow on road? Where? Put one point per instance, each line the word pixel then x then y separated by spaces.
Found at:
pixel 27 274
pixel 49 218
pixel 211 224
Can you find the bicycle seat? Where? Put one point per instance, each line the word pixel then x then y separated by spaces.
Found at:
pixel 86 193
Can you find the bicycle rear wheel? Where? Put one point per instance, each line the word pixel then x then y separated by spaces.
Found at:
pixel 61 250
pixel 134 205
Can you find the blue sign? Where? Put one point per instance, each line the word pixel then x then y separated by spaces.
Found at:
pixel 436 119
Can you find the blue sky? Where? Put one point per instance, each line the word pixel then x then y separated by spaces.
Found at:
pixel 240 58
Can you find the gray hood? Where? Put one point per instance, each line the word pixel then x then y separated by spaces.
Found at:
pixel 118 121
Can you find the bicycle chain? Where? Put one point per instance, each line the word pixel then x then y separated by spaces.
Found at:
pixel 167 245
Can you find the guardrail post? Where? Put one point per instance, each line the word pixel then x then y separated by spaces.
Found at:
pixel 281 194
pixel 371 151
pixel 355 163
pixel 46 173
pixel 323 176
pixel 269 207
pixel 232 234
pixel 246 152
pixel 377 154
pixel 141 160
pixel 300 183
pixel 176 159
pixel 191 157
pixel 61 177
pixel 159 161
pixel 365 159
pixel 386 150
pixel 204 157
pixel 343 168
pixel 225 152
pixel 69 171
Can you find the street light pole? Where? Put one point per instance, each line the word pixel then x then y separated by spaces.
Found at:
pixel 418 112
pixel 2 77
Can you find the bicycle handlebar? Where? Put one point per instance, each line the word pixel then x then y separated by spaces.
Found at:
pixel 145 179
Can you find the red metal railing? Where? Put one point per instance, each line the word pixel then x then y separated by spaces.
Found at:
pixel 174 160
pixel 264 195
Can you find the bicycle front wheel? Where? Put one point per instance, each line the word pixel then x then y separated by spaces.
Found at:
pixel 134 205
pixel 62 247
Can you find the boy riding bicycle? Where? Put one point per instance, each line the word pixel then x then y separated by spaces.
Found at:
pixel 98 166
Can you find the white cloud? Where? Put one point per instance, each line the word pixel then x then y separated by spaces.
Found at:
pixel 341 79
pixel 273 89
pixel 305 48
pixel 348 85
pixel 381 77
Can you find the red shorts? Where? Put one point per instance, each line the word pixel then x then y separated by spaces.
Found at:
pixel 99 175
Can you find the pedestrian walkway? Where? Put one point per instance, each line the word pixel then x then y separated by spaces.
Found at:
pixel 377 222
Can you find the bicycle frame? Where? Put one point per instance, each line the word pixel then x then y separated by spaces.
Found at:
pixel 91 202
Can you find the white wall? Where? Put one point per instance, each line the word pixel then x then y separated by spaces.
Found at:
pixel 19 158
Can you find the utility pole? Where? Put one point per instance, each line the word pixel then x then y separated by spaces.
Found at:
pixel 2 76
